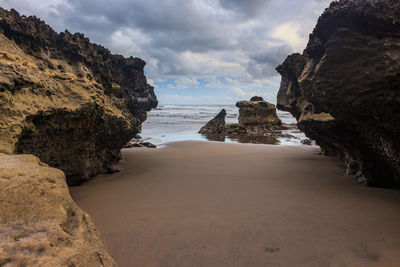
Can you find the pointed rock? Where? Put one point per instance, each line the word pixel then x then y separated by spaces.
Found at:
pixel 216 125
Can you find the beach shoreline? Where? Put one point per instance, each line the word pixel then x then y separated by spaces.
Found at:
pixel 196 203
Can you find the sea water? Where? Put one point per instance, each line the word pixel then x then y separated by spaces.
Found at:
pixel 170 123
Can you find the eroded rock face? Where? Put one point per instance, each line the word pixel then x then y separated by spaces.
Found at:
pixel 216 125
pixel 137 141
pixel 40 225
pixel 68 101
pixel 258 124
pixel 257 112
pixel 345 88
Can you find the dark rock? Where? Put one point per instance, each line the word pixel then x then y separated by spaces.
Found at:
pixel 70 102
pixel 215 137
pixel 307 142
pixel 216 125
pixel 134 142
pixel 289 89
pixel 344 88
pixel 255 139
pixel 232 129
pixel 257 113
pixel 149 145
pixel 136 138
pixel 216 130
pixel 257 98
pixel 258 123
pixel 137 141
pixel 132 145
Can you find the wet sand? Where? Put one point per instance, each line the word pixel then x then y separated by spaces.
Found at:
pixel 218 204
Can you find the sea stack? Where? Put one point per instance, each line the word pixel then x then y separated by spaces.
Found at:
pixel 257 112
pixel 344 88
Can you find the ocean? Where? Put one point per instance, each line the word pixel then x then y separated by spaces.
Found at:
pixel 171 123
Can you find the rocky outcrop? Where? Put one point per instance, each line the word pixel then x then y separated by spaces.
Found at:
pixel 214 130
pixel 344 88
pixel 216 125
pixel 257 112
pixel 258 123
pixel 69 102
pixel 243 134
pixel 40 225
pixel 289 90
pixel 137 141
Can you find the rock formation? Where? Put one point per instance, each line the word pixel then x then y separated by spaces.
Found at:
pixel 257 112
pixel 40 225
pixel 216 125
pixel 69 102
pixel 137 141
pixel 258 123
pixel 74 105
pixel 344 88
pixel 257 98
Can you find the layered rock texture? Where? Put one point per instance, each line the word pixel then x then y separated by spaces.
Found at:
pixel 74 105
pixel 40 225
pixel 137 141
pixel 69 102
pixel 345 87
pixel 257 112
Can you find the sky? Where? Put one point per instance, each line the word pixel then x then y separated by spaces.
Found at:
pixel 197 51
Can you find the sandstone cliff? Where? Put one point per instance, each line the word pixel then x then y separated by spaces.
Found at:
pixel 345 87
pixel 69 102
pixel 40 225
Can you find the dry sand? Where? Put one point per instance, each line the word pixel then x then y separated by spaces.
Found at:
pixel 217 204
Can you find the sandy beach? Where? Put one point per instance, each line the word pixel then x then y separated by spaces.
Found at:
pixel 217 204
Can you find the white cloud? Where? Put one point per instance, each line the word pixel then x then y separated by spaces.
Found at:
pixel 184 82
pixel 289 32
pixel 150 81
pixel 128 42
pixel 230 44
pixel 240 94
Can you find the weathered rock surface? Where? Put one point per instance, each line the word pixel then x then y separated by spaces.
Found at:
pixel 216 125
pixel 254 135
pixel 40 225
pixel 258 123
pixel 307 142
pixel 137 141
pixel 68 101
pixel 257 112
pixel 344 89
pixel 257 98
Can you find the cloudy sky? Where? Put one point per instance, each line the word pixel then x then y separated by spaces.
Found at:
pixel 197 51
